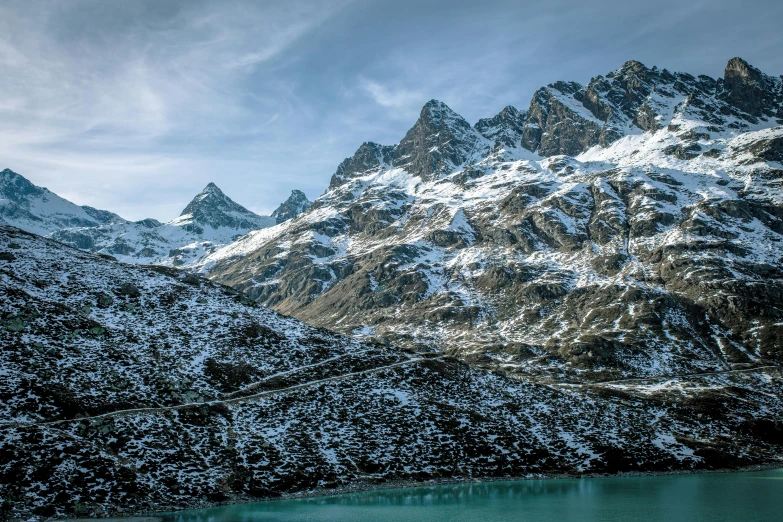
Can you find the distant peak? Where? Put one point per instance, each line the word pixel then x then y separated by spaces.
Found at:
pixel 436 106
pixel 739 68
pixel 633 65
pixel 296 203
pixel 211 187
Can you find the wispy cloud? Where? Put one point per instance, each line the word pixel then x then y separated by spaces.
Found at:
pixel 132 106
pixel 404 102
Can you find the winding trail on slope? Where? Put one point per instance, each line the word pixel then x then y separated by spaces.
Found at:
pixel 668 377
pixel 234 400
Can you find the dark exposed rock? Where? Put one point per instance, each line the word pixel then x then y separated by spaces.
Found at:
pixel 296 203
pixel 369 156
pixel 192 279
pixel 749 89
pixel 504 129
pixel 130 290
pixel 104 300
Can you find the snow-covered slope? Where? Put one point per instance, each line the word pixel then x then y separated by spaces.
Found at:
pixel 128 389
pixel 296 203
pixel 38 210
pixel 630 227
pixel 209 221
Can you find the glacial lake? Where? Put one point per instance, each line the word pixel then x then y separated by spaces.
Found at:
pixel 749 496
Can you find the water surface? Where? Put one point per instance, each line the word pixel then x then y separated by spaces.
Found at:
pixel 751 496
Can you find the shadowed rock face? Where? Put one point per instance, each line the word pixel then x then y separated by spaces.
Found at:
pixel 370 156
pixel 654 254
pixel 296 203
pixel 750 90
pixel 504 129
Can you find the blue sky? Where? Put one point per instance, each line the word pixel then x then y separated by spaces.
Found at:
pixel 136 106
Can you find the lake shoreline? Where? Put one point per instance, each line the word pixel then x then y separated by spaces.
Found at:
pixel 360 487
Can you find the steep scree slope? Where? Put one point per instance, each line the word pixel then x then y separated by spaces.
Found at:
pixel 128 389
pixel 630 227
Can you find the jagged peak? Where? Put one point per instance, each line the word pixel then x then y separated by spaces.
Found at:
pixel 436 112
pixel 634 66
pixel 296 203
pixel 739 68
pixel 211 188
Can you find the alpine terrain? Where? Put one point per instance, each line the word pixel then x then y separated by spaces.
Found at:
pixel 592 285
pixel 211 220
pixel 132 389
pixel 630 227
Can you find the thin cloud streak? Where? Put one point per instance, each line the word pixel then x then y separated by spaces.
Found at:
pixel 134 106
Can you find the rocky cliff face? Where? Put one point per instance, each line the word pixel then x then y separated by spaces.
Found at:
pixel 630 227
pixel 296 203
pixel 135 389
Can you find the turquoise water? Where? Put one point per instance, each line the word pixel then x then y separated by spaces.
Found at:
pixel 754 496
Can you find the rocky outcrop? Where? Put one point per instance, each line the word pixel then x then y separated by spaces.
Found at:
pixel 750 90
pixel 296 203
pixel 172 393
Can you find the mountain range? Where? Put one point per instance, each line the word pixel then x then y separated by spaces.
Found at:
pixel 209 221
pixel 590 285
pixel 629 227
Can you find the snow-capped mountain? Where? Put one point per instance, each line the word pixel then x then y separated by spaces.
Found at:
pixel 296 203
pixel 38 210
pixel 211 220
pixel 633 226
pixel 131 389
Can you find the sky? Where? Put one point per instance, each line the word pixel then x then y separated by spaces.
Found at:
pixel 134 106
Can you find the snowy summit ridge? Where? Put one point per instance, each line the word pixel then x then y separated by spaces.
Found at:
pixel 539 240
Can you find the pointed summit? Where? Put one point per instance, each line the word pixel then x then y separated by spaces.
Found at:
pixel 212 208
pixel 296 203
pixel 438 143
pixel 505 128
pixel 749 89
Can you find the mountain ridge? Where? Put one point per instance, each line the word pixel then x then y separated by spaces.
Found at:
pixel 536 246
pixel 210 220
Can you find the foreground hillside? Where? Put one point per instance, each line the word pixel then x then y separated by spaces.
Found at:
pixel 128 388
pixel 630 227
